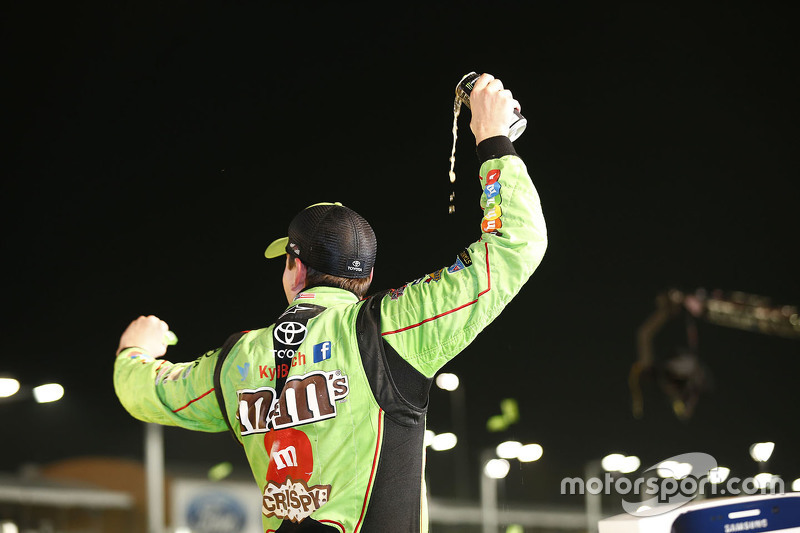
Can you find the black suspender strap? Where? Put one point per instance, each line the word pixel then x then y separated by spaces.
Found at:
pixel 289 332
pixel 223 354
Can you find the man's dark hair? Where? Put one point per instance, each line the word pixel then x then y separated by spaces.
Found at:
pixel 358 286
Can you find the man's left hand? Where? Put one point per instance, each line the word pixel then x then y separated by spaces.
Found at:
pixel 148 333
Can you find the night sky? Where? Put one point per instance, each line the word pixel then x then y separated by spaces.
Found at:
pixel 153 150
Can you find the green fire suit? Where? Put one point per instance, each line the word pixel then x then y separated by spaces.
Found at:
pixel 329 402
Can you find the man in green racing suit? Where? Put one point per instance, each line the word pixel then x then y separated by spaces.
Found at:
pixel 329 402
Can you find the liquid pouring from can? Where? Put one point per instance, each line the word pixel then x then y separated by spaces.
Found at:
pixel 463 90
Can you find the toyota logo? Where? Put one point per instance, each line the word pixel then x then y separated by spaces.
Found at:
pixel 290 333
pixel 356 263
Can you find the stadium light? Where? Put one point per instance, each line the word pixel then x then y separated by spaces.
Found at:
pixel 7 526
pixel 718 475
pixel 764 480
pixel 446 381
pixel 673 469
pixel 496 468
pixel 49 392
pixel 444 441
pixel 762 451
pixel 8 387
pixel 440 442
pixel 512 449
pixel 616 462
pixel 508 449
pixel 612 462
pixel 530 452
pixel 428 438
pixel 630 464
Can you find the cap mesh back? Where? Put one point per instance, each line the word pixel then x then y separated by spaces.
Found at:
pixel 335 240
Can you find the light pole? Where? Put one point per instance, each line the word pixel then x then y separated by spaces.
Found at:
pixel 494 467
pixel 458 413
pixel 761 452
pixel 154 476
pixel 594 502
pixel 614 463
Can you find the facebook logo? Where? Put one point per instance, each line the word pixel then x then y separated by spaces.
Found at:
pixel 322 351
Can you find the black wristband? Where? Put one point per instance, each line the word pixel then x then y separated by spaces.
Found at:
pixel 494 147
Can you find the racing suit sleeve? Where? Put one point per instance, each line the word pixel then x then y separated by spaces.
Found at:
pixel 430 320
pixel 173 394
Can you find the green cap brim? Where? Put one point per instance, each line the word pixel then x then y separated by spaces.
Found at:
pixel 277 248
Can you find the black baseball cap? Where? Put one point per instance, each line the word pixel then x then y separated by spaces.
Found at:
pixel 330 238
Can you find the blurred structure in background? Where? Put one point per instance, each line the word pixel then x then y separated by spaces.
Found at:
pixel 86 494
pixel 683 377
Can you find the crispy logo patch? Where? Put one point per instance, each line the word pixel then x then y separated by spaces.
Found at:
pixel 293 500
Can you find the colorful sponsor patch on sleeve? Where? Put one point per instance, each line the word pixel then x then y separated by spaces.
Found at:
pixel 488 226
pixel 488 203
pixel 463 260
pixel 435 276
pixel 492 190
pixel 174 373
pixel 491 200
pixel 493 213
pixel 394 294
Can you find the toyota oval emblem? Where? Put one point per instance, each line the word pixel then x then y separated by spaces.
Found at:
pixel 356 263
pixel 290 333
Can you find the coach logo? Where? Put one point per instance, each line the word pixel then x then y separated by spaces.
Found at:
pixel 290 333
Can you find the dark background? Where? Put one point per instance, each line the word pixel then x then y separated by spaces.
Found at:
pixel 153 150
